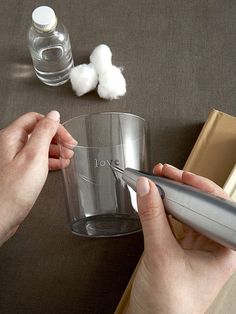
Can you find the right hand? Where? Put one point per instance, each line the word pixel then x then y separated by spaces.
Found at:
pixel 176 277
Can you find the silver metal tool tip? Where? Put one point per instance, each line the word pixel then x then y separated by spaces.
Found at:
pixel 117 169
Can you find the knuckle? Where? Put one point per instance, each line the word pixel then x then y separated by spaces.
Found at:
pixel 30 113
pixel 150 212
pixel 33 115
pixel 151 207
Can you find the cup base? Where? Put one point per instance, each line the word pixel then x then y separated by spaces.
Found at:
pixel 110 225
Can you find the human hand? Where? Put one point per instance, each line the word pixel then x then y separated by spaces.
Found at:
pixel 176 276
pixel 28 151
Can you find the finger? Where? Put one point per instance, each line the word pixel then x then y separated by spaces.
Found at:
pixel 170 172
pixel 187 230
pixel 56 152
pixel 40 139
pixel 26 122
pixel 189 178
pixel 156 229
pixel 199 242
pixel 57 164
pixel 64 136
pixel 170 221
pixel 157 170
pixel 15 136
pixel 188 241
pixel 203 184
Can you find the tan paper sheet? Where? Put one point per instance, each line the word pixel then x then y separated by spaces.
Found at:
pixel 230 184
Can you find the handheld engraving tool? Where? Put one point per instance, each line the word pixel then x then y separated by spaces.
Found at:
pixel 210 215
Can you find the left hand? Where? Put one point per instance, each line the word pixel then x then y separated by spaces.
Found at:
pixel 27 153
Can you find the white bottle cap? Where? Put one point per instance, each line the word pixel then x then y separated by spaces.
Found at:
pixel 44 18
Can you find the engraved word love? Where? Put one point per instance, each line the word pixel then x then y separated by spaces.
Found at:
pixel 103 163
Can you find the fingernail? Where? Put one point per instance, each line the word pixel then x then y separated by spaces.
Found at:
pixel 142 186
pixel 53 115
pixel 71 144
pixel 72 140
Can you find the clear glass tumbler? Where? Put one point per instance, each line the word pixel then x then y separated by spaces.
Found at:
pixel 99 202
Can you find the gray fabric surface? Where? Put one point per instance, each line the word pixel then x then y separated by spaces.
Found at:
pixel 179 62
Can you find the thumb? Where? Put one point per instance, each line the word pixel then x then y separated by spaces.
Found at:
pixel 156 228
pixel 43 133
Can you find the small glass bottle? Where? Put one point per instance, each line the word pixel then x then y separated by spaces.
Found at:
pixel 50 48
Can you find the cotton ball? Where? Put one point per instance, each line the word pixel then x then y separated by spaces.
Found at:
pixel 83 78
pixel 112 83
pixel 101 58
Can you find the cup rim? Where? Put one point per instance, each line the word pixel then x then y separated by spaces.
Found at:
pixel 71 146
pixel 104 113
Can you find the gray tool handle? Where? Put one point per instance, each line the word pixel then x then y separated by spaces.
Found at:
pixel 211 216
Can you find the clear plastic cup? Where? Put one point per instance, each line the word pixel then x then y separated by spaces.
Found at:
pixel 99 203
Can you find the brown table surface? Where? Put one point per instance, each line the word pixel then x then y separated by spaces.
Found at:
pixel 179 62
